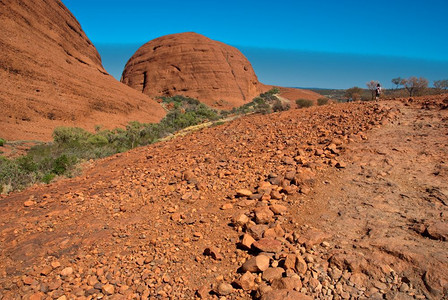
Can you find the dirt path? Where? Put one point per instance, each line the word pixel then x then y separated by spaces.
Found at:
pixel 346 201
pixel 389 206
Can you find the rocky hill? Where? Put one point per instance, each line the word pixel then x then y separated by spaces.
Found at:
pixel 51 75
pixel 342 201
pixel 193 65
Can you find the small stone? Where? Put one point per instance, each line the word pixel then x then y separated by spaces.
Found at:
pixel 257 231
pixel 254 264
pixel 287 283
pixel 67 271
pixel 176 217
pixel 54 285
pixel 36 296
pixel 55 264
pixel 290 262
pixel 92 280
pixel 276 231
pixel 224 289
pixel 404 287
pixel 438 231
pixel 240 219
pixel 203 292
pixel 271 274
pixel 313 283
pixel 263 215
pixel 243 193
pixel 278 209
pixel 290 174
pixel 290 189
pixel 305 190
pixel 27 280
pixel 276 195
pixel 227 206
pixel 46 270
pixel 379 285
pixel 247 281
pixel 63 297
pixel 267 245
pixel 262 289
pixel 288 160
pixel 213 252
pixel 301 265
pixel 108 289
pixel 247 241
pixel 359 279
pixel 29 203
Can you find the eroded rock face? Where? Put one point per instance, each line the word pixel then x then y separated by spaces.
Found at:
pixel 51 75
pixel 193 65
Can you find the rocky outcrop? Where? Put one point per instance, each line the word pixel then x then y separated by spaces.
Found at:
pixel 193 65
pixel 51 75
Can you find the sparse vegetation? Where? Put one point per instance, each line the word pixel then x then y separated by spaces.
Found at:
pixel 2 142
pixel 415 86
pixel 72 145
pixel 397 82
pixel 265 103
pixel 322 101
pixel 302 103
pixel 441 85
pixel 353 94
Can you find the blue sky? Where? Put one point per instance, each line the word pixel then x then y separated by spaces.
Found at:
pixel 406 38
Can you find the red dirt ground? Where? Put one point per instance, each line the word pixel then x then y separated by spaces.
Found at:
pixel 345 200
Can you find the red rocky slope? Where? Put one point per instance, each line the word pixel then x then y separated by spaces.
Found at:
pixel 51 75
pixel 339 199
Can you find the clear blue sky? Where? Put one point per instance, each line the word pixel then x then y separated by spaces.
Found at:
pixel 394 33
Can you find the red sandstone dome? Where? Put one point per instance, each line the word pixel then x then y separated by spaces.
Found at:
pixel 193 65
pixel 51 75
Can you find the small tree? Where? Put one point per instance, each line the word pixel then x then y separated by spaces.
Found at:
pixel 397 82
pixel 353 93
pixel 441 85
pixel 371 85
pixel 414 85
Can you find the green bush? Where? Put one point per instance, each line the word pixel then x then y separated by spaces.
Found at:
pixel 2 142
pixel 47 178
pixel 322 101
pixel 301 103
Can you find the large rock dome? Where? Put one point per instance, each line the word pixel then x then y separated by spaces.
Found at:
pixel 51 75
pixel 193 65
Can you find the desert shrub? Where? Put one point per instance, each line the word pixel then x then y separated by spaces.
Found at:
pixel 62 164
pixel 97 140
pixel 2 142
pixel 279 106
pixel 322 101
pixel 47 178
pixel 301 103
pixel 70 135
pixel 353 93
